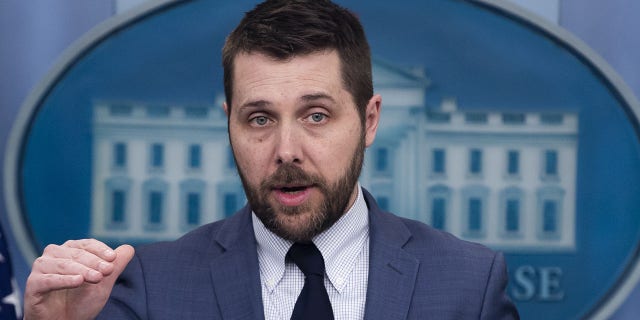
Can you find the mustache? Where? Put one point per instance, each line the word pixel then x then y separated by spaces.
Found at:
pixel 290 174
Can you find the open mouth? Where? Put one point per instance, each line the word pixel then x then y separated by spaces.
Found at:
pixel 293 189
pixel 292 195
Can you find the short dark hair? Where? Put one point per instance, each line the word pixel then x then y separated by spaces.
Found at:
pixel 283 29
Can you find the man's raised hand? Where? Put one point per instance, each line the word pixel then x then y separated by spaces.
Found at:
pixel 73 280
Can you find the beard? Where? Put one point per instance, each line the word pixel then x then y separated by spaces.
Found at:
pixel 303 222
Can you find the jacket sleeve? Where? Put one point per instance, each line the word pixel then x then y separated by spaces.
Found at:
pixel 496 303
pixel 128 299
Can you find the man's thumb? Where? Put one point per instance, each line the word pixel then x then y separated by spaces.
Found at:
pixel 124 253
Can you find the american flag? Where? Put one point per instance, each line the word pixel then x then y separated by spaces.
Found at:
pixel 9 293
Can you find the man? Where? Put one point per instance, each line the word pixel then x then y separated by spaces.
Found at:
pixel 301 111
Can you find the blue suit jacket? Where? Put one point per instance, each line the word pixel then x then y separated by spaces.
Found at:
pixel 415 272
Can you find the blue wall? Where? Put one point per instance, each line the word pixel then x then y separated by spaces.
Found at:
pixel 609 28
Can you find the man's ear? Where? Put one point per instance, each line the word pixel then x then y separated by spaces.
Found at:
pixel 372 118
pixel 225 108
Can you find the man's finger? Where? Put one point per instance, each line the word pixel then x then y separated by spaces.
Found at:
pixel 44 283
pixel 94 246
pixel 56 255
pixel 57 266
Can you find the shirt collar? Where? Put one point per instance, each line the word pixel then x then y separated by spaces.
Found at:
pixel 340 246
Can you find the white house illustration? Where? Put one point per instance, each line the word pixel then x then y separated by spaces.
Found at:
pixel 160 170
pixel 502 178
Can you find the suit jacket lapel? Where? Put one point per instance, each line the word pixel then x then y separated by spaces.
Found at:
pixel 235 272
pixel 392 271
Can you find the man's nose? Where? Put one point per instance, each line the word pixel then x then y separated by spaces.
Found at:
pixel 288 145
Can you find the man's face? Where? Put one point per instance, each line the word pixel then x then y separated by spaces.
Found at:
pixel 298 140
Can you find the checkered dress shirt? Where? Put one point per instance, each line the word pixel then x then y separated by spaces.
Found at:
pixel 345 249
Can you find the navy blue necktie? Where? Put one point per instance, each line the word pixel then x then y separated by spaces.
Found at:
pixel 313 302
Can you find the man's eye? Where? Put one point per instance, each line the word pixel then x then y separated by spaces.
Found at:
pixel 317 117
pixel 260 120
